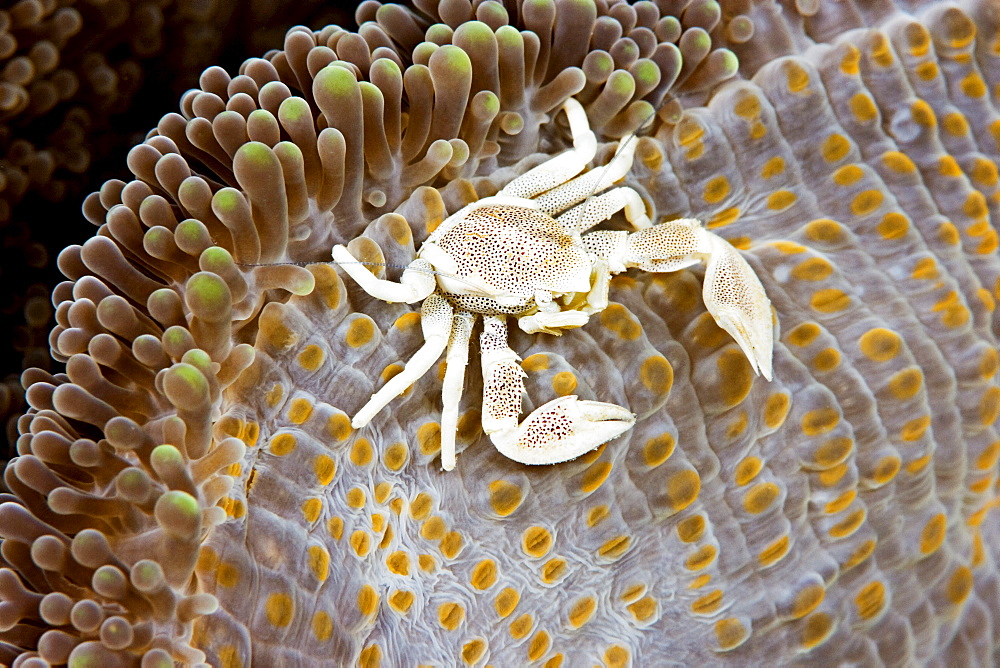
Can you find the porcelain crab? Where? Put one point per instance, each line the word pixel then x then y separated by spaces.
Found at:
pixel 526 253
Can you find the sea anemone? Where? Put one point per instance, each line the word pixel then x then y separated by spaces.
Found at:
pixel 80 81
pixel 191 488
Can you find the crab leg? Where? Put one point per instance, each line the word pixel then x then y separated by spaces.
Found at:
pixel 564 166
pixel 559 430
pixel 454 377
pixel 435 321
pixel 733 294
pixel 584 216
pixel 582 187
pixel 415 284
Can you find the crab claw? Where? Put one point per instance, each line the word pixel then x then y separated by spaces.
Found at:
pixel 733 293
pixel 562 429
pixel 736 299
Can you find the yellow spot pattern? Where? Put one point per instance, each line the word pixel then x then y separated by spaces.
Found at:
pixel 339 427
pixel 657 374
pixel 319 562
pixel 933 534
pixel 429 438
pixel 708 603
pixel 796 77
pixel 396 456
pixel 866 202
pixel 880 344
pixel 730 633
pixel 760 497
pixel 299 410
pixel 361 452
pixel 829 300
pixel 643 609
pixel 282 444
pixel 361 542
pixel 564 383
pixel 322 626
pixel 450 615
pixel 747 470
pixel 774 552
pixel 371 657
pixel 616 656
pixel 311 509
pixel 617 318
pixel 849 524
pixel 807 600
pixel 835 148
pixel 356 497
pixel 804 334
pixel 595 476
pixel 701 558
pixel 582 611
pixel 325 468
pixel 279 609
pixel 813 269
pixel 484 575
pixel 473 651
pixel 539 645
pixel 521 626
pixel 781 200
pixel 820 421
pixel 311 357
pixel 737 377
pixel 536 542
pixel 360 332
pixel 817 628
pixel 658 449
pixel 826 360
pixel 863 108
pixel 773 167
pixel 893 225
pixel 716 190
pixel 906 383
pixel 959 585
pixel 870 601
pixel 898 162
pixel 401 600
pixel 683 488
pixel 506 601
pixel 553 570
pixel 614 548
pixel 505 497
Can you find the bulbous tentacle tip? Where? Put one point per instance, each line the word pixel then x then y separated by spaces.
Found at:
pixel 563 429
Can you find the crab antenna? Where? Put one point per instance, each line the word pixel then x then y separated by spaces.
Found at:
pixel 388 265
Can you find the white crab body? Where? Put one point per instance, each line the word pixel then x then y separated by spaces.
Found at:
pixel 526 253
pixel 504 255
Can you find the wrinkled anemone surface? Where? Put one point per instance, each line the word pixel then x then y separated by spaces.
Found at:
pixel 191 488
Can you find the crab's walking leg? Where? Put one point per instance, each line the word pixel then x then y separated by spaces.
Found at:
pixel 733 294
pixel 584 216
pixel 597 179
pixel 564 166
pixel 435 321
pixel 454 377
pixel 414 285
pixel 561 429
